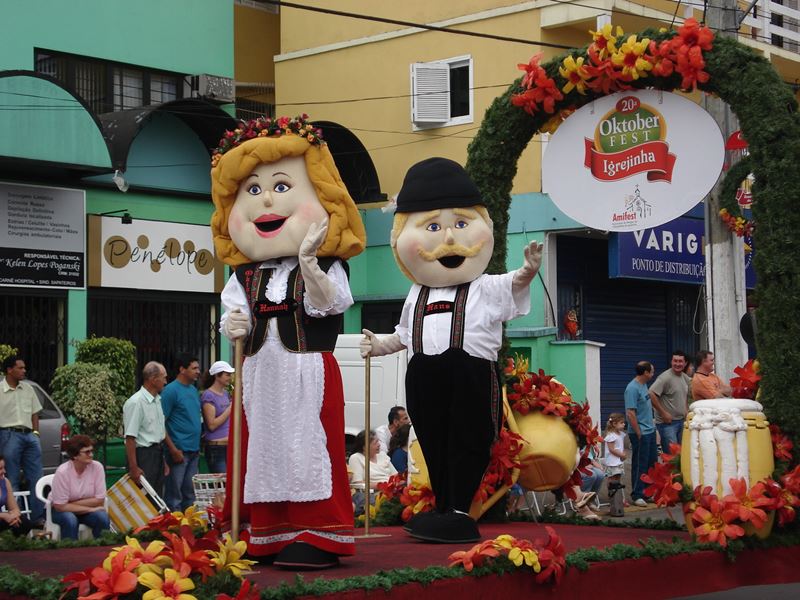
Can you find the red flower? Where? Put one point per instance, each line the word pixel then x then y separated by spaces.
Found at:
pixel 605 78
pixel 663 487
pixel 79 580
pixel 662 57
pixel 504 459
pixel 690 65
pixel 781 444
pixel 746 384
pixel 714 522
pixel 522 395
pixel 393 487
pixel 163 522
pixel 246 592
pixel 552 556
pixel 750 504
pixel 784 501
pixel 673 456
pixel 540 90
pixel 692 35
pixel 553 399
pixel 791 480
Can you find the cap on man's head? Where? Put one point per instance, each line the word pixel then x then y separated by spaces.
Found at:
pixel 437 183
pixel 220 367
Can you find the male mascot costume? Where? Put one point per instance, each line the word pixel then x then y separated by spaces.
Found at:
pixel 285 221
pixel 451 324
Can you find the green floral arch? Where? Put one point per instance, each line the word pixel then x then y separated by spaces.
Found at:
pixel 767 111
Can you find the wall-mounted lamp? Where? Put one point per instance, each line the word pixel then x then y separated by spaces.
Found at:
pixel 119 179
pixel 126 217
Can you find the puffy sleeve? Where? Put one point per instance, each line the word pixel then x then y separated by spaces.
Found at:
pixel 343 300
pixel 232 298
pixel 505 304
pixel 403 328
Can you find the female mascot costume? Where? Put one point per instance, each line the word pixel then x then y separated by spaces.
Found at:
pixel 285 221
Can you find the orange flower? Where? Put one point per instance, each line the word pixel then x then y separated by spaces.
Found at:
pixel 118 580
pixel 245 593
pixel 750 504
pixel 78 580
pixel 791 480
pixel 540 90
pixel 605 78
pixel 746 384
pixel 475 556
pixel 182 554
pixel 714 522
pixel 784 500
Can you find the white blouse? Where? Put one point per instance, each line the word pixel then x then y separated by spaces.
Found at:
pixel 379 471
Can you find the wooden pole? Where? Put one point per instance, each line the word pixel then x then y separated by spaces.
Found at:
pixel 366 443
pixel 234 485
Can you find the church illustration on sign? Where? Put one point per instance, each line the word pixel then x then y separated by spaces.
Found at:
pixel 638 205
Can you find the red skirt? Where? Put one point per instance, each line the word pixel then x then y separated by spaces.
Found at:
pixel 326 524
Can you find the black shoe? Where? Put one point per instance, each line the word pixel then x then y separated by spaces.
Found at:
pixel 299 556
pixel 447 528
pixel 415 521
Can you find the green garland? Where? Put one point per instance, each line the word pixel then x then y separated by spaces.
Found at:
pixel 733 178
pixel 548 516
pixel 34 586
pixel 767 112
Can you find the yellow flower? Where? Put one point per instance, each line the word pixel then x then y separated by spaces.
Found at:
pixel 575 74
pixel 171 587
pixel 605 40
pixel 192 517
pixel 229 557
pixel 630 57
pixel 529 557
pixel 505 541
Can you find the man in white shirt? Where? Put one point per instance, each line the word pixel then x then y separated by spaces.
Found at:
pixel 452 325
pixel 397 418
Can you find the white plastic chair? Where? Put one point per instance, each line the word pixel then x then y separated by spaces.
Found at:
pixel 22 502
pixel 84 531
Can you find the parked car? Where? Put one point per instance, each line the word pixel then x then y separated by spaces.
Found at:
pixel 53 430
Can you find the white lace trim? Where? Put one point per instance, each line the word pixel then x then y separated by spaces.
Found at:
pixel 282 537
pixel 287 456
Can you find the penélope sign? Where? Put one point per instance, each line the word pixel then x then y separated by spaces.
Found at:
pixel 632 160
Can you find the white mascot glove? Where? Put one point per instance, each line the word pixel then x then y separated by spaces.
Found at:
pixel 533 260
pixel 370 345
pixel 237 325
pixel 321 293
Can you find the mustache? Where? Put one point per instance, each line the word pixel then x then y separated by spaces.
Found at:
pixel 451 250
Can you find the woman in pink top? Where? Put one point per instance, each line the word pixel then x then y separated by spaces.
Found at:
pixel 79 490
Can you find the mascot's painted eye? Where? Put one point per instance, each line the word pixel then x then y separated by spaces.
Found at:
pixel 461 224
pixel 281 188
pixel 434 227
pixel 254 189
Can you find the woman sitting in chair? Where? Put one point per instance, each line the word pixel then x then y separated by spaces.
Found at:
pixel 79 490
pixel 380 467
pixel 10 515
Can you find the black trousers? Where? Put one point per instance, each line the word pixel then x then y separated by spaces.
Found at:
pixel 20 530
pixel 151 461
pixel 453 400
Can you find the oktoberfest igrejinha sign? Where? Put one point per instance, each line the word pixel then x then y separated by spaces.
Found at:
pixel 632 160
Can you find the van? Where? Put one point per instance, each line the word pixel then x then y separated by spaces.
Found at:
pixel 387 384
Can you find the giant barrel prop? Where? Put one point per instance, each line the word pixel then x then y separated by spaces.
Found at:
pixel 724 439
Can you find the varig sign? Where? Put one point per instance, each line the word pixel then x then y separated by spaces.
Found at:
pixel 632 160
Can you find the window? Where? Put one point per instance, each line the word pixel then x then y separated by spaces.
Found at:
pixel 441 93
pixel 107 86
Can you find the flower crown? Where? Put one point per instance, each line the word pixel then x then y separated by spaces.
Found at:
pixel 267 127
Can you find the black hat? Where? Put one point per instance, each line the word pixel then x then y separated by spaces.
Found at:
pixel 437 183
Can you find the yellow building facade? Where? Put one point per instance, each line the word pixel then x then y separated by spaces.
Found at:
pixel 360 72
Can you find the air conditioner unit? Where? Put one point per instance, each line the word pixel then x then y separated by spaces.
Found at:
pixel 214 88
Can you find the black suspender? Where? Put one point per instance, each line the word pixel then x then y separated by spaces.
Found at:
pixel 457 307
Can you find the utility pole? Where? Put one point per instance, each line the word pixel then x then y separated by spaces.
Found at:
pixel 725 284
